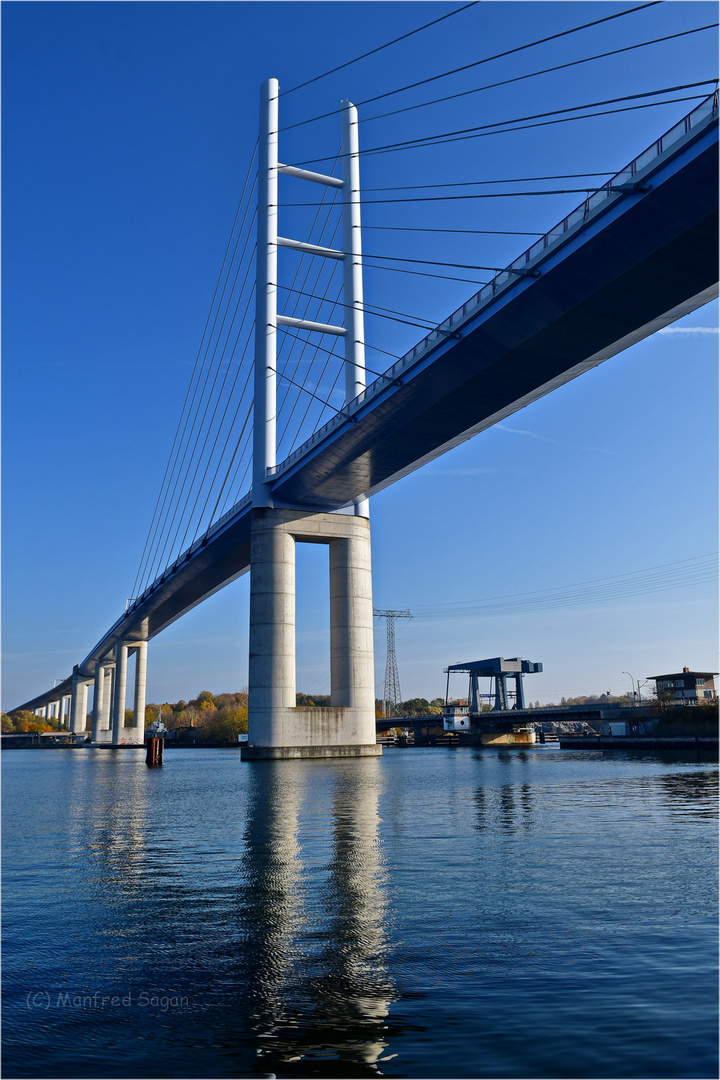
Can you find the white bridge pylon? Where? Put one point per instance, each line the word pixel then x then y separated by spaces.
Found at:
pixel 267 317
pixel 277 727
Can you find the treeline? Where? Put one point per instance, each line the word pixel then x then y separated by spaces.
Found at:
pixel 588 699
pixel 24 720
pixel 219 718
pixel 417 706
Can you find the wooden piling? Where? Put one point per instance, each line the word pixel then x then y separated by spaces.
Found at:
pixel 154 755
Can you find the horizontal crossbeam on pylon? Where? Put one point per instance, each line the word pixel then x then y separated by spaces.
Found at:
pixel 305 324
pixel 310 249
pixel 314 177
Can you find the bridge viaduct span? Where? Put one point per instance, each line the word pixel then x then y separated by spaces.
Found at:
pixel 638 254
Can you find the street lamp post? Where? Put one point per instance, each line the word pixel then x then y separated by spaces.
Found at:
pixel 633 686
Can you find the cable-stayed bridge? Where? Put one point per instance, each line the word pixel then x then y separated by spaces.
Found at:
pixel 637 254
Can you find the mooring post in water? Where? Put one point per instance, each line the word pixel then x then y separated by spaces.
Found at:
pixel 154 756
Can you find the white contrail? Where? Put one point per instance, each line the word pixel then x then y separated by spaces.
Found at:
pixel 689 330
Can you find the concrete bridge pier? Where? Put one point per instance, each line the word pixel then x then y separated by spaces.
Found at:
pixel 278 728
pixel 138 730
pixel 121 735
pixel 119 694
pixel 78 704
pixel 101 727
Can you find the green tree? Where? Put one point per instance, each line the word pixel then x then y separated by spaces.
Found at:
pixel 223 728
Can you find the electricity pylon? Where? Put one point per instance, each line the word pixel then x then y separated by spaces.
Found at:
pixel 391 693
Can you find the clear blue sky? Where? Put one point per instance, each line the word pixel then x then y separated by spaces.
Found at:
pixel 128 130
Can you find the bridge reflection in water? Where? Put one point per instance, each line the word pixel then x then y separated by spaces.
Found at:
pixel 314 967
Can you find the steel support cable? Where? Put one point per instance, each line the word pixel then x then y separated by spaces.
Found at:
pixel 564 601
pixel 297 360
pixel 542 115
pixel 173 505
pixel 391 311
pixel 233 486
pixel 201 412
pixel 244 456
pixel 209 426
pixel 187 395
pixel 658 576
pixel 393 356
pixel 218 430
pixel 423 273
pixel 332 407
pixel 168 509
pixel 464 232
pixel 534 74
pixel 207 321
pixel 294 438
pixel 323 401
pixel 545 123
pixel 238 440
pixel 379 48
pixel 232 499
pixel 246 421
pixel 339 356
pixel 331 272
pixel 484 60
pixel 480 195
pixel 478 183
pixel 461 266
pixel 157 541
pixel 303 312
pixel 376 348
pixel 308 261
pixel 296 441
pixel 187 488
pixel 497 125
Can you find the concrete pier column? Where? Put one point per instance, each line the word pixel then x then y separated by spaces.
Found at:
pixel 78 705
pixel 278 728
pixel 352 668
pixel 120 694
pixel 101 706
pixel 98 698
pixel 108 693
pixel 138 731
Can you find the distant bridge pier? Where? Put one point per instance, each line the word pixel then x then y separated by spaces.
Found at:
pixel 277 727
pixel 60 710
pixel 119 692
pixel 78 703
pixel 122 735
pixel 139 697
pixel 101 729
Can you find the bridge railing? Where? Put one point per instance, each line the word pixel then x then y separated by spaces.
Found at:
pixel 571 223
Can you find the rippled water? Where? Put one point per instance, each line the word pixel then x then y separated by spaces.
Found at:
pixel 434 913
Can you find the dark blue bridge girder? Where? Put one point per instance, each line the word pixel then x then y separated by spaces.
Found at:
pixel 639 261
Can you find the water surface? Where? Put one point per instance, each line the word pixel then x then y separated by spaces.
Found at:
pixel 436 912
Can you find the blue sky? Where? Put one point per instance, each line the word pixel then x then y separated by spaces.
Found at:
pixel 128 129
